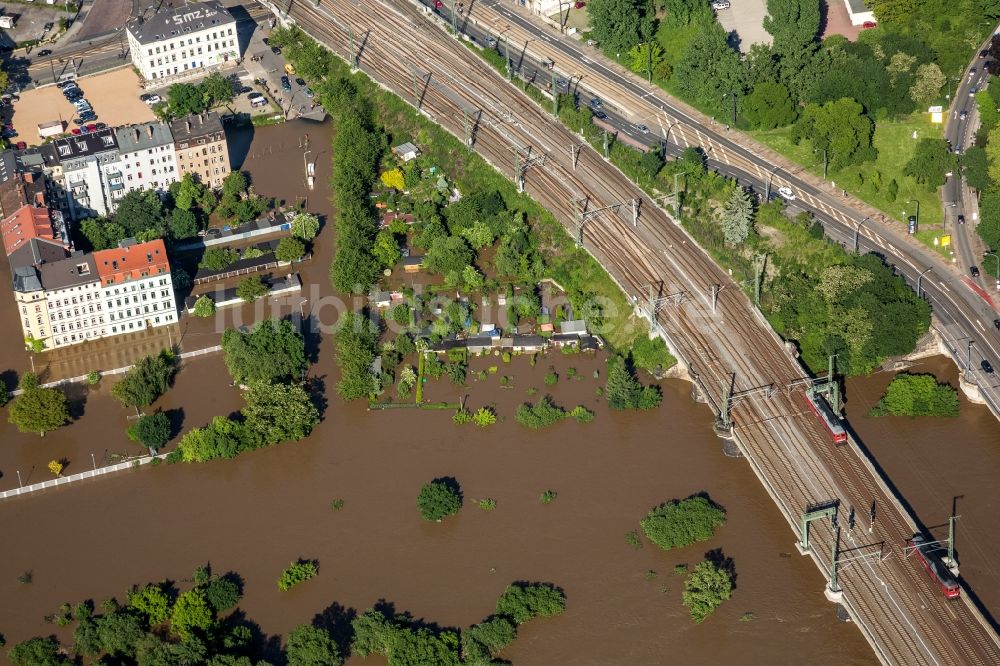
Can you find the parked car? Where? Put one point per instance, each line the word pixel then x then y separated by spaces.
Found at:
pixel 88 116
pixel 44 52
pixel 67 83
pixel 868 25
pixel 984 53
pixel 961 219
pixel 986 366
pixel 721 4
pixel 963 115
pixel 84 129
pixel 491 42
pixel 972 73
pixel 786 193
pixel 286 84
pixel 153 99
pixel 996 324
pixel 972 91
pixel 75 131
pixel 560 83
pixel 266 41
pixel 92 127
pixel 244 89
pixel 20 145
pixel 591 42
pixel 309 93
pixel 974 271
pixel 48 26
pixel 579 5
pixel 101 126
pixel 275 50
pixel 300 81
pixel 73 95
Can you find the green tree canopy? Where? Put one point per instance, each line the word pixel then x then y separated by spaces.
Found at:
pixel 204 307
pixel 356 340
pixel 305 226
pixel 975 167
pixel 618 25
pixel 38 409
pixel 524 601
pixel 737 217
pixel 289 249
pixel 706 588
pixel 623 390
pixel 37 652
pixel 841 128
pixel 150 430
pixel 680 523
pixel 140 211
pixel 768 106
pixel 439 499
pixel 930 162
pixel 311 646
pixel 183 224
pixel 917 395
pixel 272 351
pixel 279 412
pixel 148 379
pixel 251 288
pixel 190 612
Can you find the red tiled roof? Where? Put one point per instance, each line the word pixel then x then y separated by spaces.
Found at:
pixel 133 262
pixel 25 223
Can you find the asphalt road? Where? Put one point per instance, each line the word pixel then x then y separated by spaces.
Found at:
pixel 964 314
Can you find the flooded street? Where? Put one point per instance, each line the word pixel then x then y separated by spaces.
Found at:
pixel 256 514
pixel 934 462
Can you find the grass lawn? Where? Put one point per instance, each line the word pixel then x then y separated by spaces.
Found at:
pixel 869 182
pixel 578 18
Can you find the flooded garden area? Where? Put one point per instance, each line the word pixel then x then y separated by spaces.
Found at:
pixel 255 514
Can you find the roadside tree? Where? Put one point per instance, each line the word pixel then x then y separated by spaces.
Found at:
pixel 356 340
pixel 931 160
pixel 618 25
pixel 737 217
pixel 148 379
pixel 150 430
pixel 38 409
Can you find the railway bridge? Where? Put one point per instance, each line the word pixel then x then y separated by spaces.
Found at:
pixel 740 366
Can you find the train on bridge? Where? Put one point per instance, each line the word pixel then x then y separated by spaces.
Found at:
pixel 929 552
pixel 827 416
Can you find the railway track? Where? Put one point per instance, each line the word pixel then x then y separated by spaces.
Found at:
pixel 901 615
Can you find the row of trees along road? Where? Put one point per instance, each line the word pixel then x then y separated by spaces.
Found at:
pixel 832 92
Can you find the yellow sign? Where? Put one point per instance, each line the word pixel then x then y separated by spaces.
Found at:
pixel 945 241
pixel 937 118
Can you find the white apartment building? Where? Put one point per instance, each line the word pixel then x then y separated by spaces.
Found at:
pixel 136 287
pixel 183 39
pixel 65 301
pixel 91 176
pixel 147 158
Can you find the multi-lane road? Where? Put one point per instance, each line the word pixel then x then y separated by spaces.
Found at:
pixel 962 313
pixel 722 339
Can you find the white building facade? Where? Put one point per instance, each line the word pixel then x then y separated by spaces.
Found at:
pixel 91 175
pixel 147 157
pixel 181 40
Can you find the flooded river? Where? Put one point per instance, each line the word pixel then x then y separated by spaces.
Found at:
pixel 254 515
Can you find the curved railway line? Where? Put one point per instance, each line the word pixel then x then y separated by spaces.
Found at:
pixel 903 617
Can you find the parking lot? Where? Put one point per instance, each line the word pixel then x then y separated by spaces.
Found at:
pixel 114 96
pixel 31 21
pixel 746 18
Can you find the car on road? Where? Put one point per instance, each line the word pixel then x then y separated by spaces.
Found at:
pixel 491 42
pixel 974 271
pixel 786 193
pixel 972 73
pixel 275 50
pixel 972 91
pixel 961 219
pixel 48 26
pixel 963 115
pixel 986 366
pixel 600 115
pixel 560 83
pixel 438 4
pixel 642 129
pixel 286 84
pixel 44 52
pixel 984 53
pixel 996 324
pixel 721 4
pixel 596 103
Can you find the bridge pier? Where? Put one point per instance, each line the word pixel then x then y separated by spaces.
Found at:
pixel 970 389
pixel 696 393
pixel 834 597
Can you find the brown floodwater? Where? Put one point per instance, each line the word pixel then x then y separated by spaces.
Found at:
pixel 935 462
pixel 254 515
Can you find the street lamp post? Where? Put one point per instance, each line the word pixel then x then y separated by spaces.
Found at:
pixel 767 187
pixel 857 233
pixel 920 280
pixel 968 358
